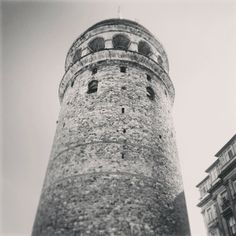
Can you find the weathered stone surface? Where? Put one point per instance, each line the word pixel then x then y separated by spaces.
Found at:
pixel 113 168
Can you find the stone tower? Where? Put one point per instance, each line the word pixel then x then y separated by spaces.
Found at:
pixel 114 168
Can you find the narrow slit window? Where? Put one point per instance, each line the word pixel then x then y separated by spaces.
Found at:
pixel 124 131
pixel 159 60
pixel 149 78
pixel 92 86
pixel 122 110
pixel 150 93
pixel 94 70
pixel 123 69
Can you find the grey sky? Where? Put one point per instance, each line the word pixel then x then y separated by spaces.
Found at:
pixel 199 37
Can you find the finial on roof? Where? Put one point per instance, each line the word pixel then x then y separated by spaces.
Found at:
pixel 119 12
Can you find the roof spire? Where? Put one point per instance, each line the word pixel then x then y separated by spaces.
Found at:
pixel 119 12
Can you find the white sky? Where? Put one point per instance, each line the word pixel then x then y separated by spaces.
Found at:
pixel 199 37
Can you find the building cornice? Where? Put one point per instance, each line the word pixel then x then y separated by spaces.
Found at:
pixel 111 55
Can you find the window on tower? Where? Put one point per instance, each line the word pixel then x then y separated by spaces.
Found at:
pixel 92 86
pixel 72 83
pixel 150 93
pixel 159 60
pixel 94 70
pixel 121 41
pixel 77 55
pixel 123 69
pixel 96 44
pixel 149 78
pixel 144 48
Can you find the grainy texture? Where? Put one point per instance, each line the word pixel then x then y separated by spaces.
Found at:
pixel 113 168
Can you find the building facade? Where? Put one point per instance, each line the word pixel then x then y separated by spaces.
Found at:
pixel 113 168
pixel 218 192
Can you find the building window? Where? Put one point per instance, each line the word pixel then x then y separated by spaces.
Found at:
pixel 223 196
pixel 94 70
pixel 77 55
pixel 209 215
pixel 122 110
pixel 232 225
pixel 224 200
pixel 96 44
pixel 227 155
pixel 123 69
pixel 159 60
pixel 149 78
pixel 203 190
pixel 230 153
pixel 214 173
pixel 144 48
pixel 92 86
pixel 234 184
pixel 214 211
pixel 121 41
pixel 234 147
pixel 150 93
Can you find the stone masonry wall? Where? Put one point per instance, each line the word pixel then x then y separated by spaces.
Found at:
pixel 113 168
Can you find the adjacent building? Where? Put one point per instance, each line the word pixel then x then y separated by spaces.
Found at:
pixel 218 192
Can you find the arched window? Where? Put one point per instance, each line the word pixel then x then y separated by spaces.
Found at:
pixel 96 44
pixel 150 93
pixel 144 48
pixel 121 41
pixel 77 55
pixel 149 78
pixel 159 60
pixel 92 86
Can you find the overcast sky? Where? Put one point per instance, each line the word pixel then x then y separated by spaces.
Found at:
pixel 199 38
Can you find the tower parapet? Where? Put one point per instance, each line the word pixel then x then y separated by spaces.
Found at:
pixel 117 39
pixel 113 168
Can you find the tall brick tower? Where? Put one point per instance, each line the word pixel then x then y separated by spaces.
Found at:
pixel 114 168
